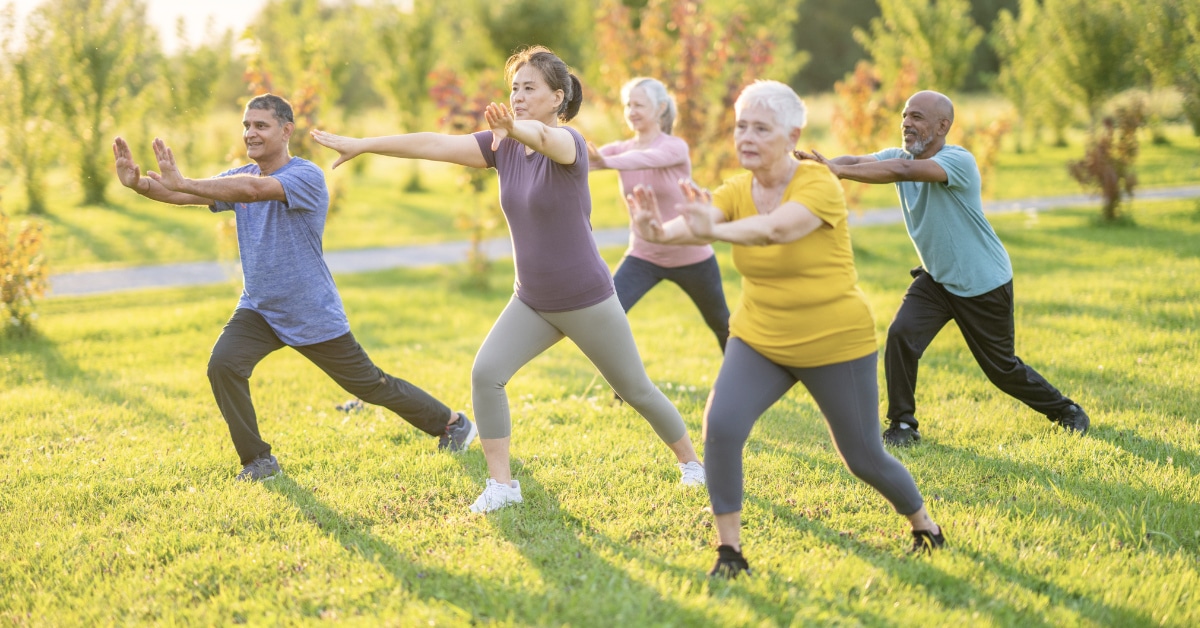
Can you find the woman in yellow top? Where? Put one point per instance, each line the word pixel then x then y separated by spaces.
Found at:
pixel 802 317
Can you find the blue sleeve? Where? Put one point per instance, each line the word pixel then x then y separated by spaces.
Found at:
pixel 961 171
pixel 304 186
pixel 224 206
pixel 890 153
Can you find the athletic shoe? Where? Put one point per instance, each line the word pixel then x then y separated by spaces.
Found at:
pixel 458 435
pixel 692 472
pixel 1074 419
pixel 925 541
pixel 261 468
pixel 353 405
pixel 730 564
pixel 900 434
pixel 497 496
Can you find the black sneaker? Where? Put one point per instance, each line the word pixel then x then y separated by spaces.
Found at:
pixel 1073 418
pixel 458 435
pixel 261 468
pixel 353 405
pixel 900 434
pixel 730 564
pixel 925 541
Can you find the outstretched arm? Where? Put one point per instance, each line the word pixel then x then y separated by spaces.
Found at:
pixel 787 223
pixel 237 189
pixel 646 219
pixel 554 142
pixel 456 149
pixel 130 176
pixel 869 169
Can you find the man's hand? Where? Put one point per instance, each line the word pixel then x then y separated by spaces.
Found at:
pixel 128 172
pixel 168 176
pixel 347 147
pixel 819 158
pixel 500 119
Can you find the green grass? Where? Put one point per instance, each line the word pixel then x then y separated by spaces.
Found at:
pixel 117 504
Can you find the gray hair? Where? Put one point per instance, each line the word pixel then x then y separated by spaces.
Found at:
pixel 280 108
pixel 777 98
pixel 658 95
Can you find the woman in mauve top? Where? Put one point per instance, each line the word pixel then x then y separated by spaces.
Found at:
pixel 801 318
pixel 563 288
pixel 659 160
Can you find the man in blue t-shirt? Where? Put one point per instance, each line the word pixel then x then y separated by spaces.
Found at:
pixel 289 297
pixel 965 274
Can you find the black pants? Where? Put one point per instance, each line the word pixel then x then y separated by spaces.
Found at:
pixel 986 322
pixel 701 281
pixel 247 339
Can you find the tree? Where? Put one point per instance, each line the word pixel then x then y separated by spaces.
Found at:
pixel 1023 44
pixel 408 50
pixel 939 37
pixel 190 78
pixel 705 57
pixel 101 52
pixel 24 104
pixel 1169 48
pixel 1107 166
pixel 1090 43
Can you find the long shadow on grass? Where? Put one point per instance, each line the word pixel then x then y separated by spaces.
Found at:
pixel 560 546
pixel 548 537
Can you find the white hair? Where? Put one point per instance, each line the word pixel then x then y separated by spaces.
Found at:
pixel 657 92
pixel 777 98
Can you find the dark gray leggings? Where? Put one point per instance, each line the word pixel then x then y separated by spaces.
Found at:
pixel 601 331
pixel 847 394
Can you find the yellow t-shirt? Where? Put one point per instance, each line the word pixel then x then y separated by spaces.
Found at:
pixel 801 305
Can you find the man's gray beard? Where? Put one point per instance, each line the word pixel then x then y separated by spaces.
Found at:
pixel 918 147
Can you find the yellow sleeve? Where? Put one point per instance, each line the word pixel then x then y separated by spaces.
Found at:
pixel 732 195
pixel 815 187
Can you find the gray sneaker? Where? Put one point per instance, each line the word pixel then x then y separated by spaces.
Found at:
pixel 458 435
pixel 261 468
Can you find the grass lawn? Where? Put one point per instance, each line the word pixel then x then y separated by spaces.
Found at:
pixel 117 503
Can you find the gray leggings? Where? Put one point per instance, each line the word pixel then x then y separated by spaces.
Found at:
pixel 601 331
pixel 847 394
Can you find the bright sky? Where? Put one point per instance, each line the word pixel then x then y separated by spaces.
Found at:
pixel 163 14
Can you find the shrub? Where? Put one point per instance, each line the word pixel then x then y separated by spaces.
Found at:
pixel 23 275
pixel 1107 166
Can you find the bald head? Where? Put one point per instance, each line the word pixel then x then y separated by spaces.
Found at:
pixel 934 104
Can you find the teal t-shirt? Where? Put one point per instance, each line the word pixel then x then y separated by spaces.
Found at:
pixel 955 242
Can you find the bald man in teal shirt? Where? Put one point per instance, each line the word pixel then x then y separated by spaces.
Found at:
pixel 965 274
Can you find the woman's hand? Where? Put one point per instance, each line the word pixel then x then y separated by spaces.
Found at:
pixel 644 217
pixel 347 147
pixel 595 159
pixel 500 119
pixel 696 209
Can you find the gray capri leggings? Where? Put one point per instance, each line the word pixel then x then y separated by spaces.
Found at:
pixel 847 394
pixel 601 331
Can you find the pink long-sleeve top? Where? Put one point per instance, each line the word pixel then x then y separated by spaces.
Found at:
pixel 660 166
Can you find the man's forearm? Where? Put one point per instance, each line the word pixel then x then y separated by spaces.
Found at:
pixel 886 171
pixel 155 191
pixel 233 189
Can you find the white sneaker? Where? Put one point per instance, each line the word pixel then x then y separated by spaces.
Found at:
pixel 496 496
pixel 693 473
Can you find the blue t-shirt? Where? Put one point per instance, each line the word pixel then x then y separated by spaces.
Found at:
pixel 283 266
pixel 955 242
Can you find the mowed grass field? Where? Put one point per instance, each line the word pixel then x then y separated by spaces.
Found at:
pixel 117 503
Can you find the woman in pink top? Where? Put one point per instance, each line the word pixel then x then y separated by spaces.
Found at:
pixel 658 160
pixel 563 288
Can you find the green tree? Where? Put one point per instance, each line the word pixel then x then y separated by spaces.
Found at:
pixel 1090 43
pixel 102 53
pixel 407 52
pixel 1022 42
pixel 1169 49
pixel 939 37
pixel 24 104
pixel 190 78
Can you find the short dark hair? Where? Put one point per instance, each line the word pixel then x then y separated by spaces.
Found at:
pixel 281 109
pixel 556 74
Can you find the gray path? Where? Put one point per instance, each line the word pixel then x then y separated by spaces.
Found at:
pixel 361 260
